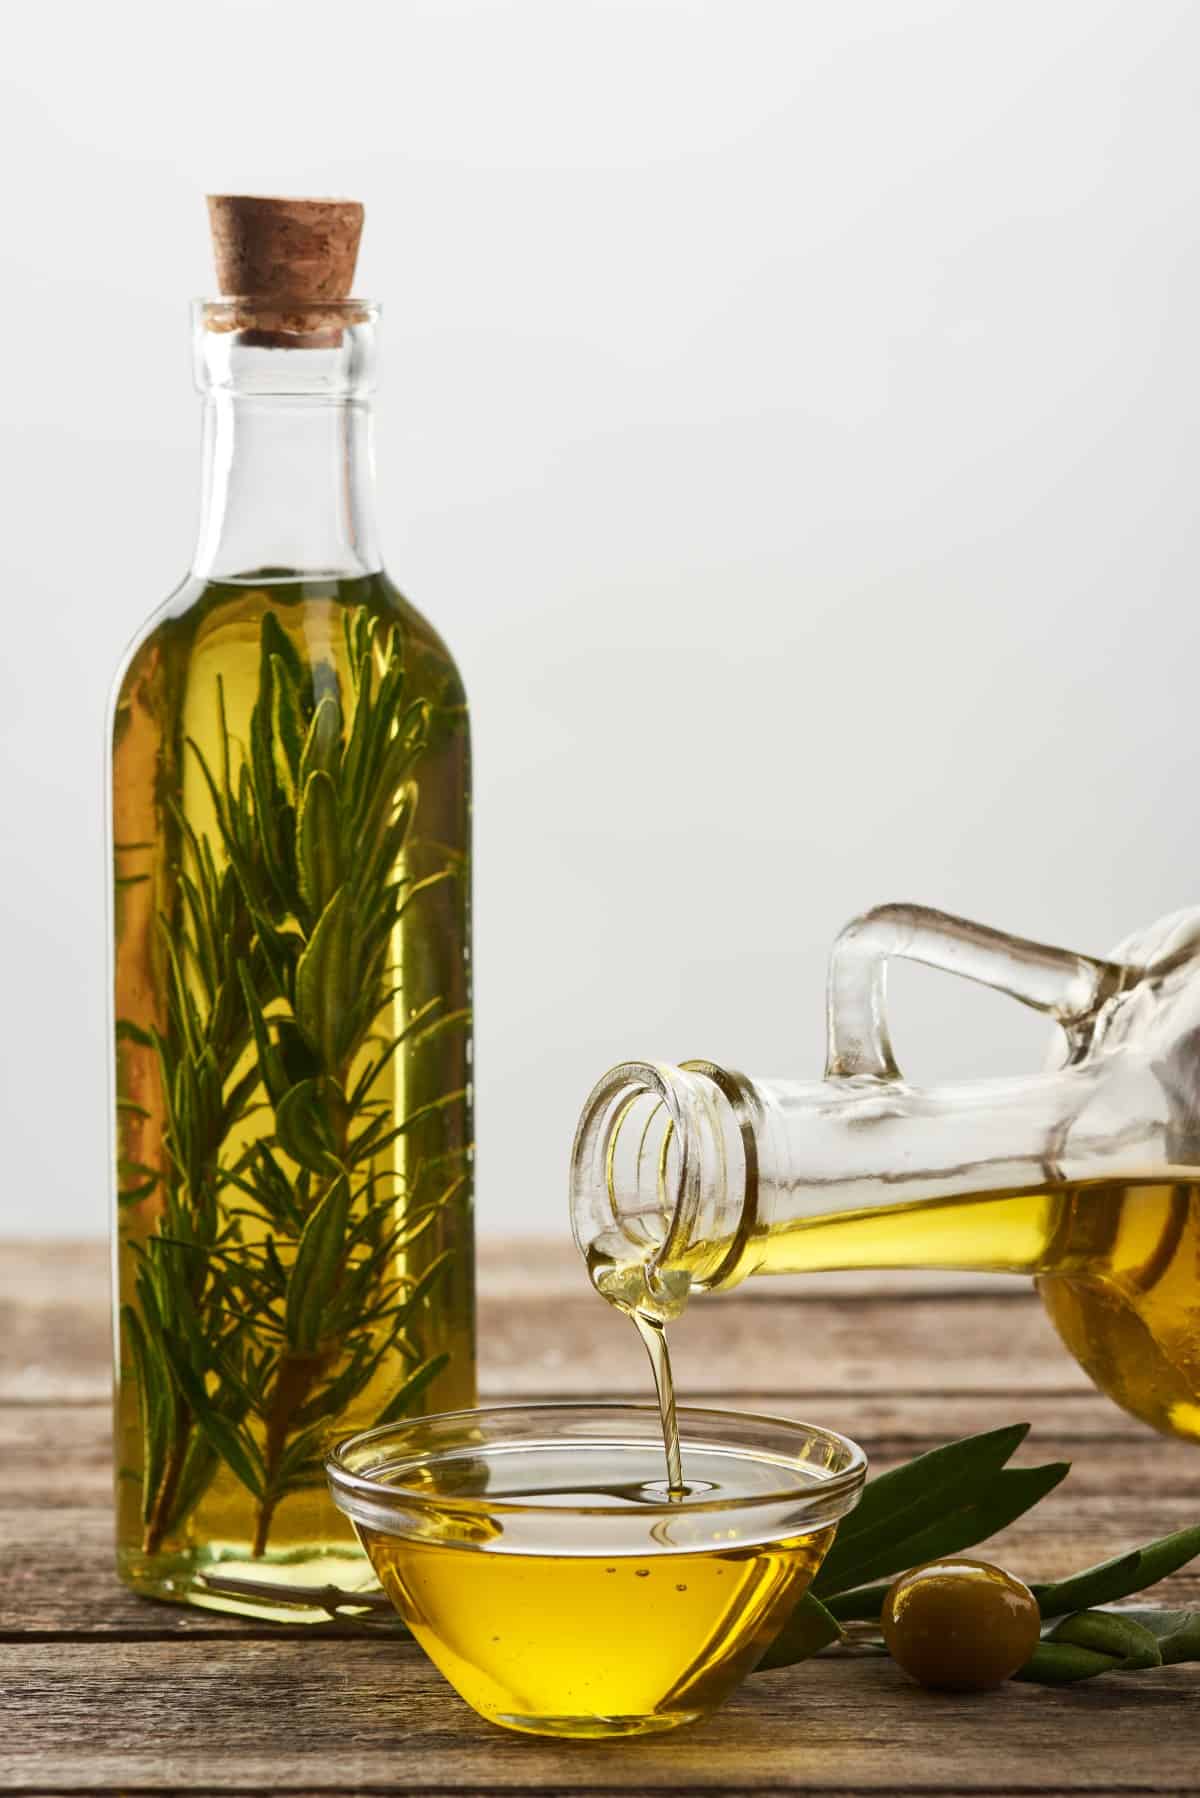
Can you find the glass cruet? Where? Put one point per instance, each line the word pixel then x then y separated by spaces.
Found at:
pixel 1086 1175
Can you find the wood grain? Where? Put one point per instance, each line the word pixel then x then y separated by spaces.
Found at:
pixel 286 1715
pixel 776 1336
pixel 103 1691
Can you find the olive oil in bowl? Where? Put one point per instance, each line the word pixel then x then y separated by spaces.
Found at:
pixel 539 1556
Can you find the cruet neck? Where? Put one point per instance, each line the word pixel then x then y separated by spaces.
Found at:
pixel 665 1168
pixel 288 470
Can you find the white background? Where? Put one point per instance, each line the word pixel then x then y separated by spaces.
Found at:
pixel 789 419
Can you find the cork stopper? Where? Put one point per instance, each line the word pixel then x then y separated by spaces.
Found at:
pixel 279 259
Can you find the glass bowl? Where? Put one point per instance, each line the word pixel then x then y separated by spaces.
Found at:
pixel 537 1556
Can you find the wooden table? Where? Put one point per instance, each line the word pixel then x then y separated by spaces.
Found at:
pixel 101 1691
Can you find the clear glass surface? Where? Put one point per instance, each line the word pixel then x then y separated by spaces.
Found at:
pixel 290 834
pixel 1086 1175
pixel 534 1552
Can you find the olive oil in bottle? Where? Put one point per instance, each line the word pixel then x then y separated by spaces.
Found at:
pixel 1116 1263
pixel 290 839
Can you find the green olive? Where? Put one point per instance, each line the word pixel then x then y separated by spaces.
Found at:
pixel 961 1625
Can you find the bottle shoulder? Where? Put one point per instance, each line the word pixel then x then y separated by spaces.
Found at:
pixel 418 629
pixel 206 622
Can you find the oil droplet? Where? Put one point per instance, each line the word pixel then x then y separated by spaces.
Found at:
pixel 643 1573
pixel 681 1588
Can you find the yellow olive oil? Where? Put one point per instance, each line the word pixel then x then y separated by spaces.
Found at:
pixel 295 1256
pixel 596 1642
pixel 1117 1267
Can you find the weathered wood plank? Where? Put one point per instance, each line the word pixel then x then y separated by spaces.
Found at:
pixel 102 1691
pixel 511 1267
pixel 56 1573
pixel 57 1344
pixel 284 1716
pixel 60 1454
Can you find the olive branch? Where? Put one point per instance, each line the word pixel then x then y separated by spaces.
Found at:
pixel 267 1297
pixel 953 1498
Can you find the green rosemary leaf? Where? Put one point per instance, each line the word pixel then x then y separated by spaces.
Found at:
pixel 269 1064
pixel 125 1166
pixel 381 842
pixel 154 1406
pixel 287 729
pixel 323 981
pixel 131 1105
pixel 372 1072
pixel 132 1195
pixel 372 1139
pixel 402 1401
pixel 276 644
pixel 352 760
pixel 203 949
pixel 299 1061
pixel 1119 1578
pixel 323 744
pixel 316 1266
pixel 199 1465
pixel 421 1289
pixel 128 1032
pixel 332 1399
pixel 261 807
pixel 303 1124
pixel 810 1628
pixel 237 1100
pixel 231 1445
pixel 282 950
pixel 418 1218
pixel 418 887
pixel 303 1455
pixel 317 843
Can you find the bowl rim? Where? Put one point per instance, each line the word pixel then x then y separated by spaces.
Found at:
pixel 819 1488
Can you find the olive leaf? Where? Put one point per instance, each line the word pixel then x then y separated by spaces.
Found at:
pixel 809 1629
pixel 940 1503
pixel 953 1498
pixel 1108 1632
pixel 1120 1577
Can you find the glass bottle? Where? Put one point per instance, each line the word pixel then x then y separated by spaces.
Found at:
pixel 1087 1176
pixel 291 977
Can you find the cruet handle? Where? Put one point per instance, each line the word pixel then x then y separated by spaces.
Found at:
pixel 1070 988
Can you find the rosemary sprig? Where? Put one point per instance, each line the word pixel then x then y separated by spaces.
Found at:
pixel 267 1298
pixel 955 1497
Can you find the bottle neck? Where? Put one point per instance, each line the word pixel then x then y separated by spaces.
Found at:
pixel 288 484
pixel 288 476
pixel 700 1173
pixel 665 1172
